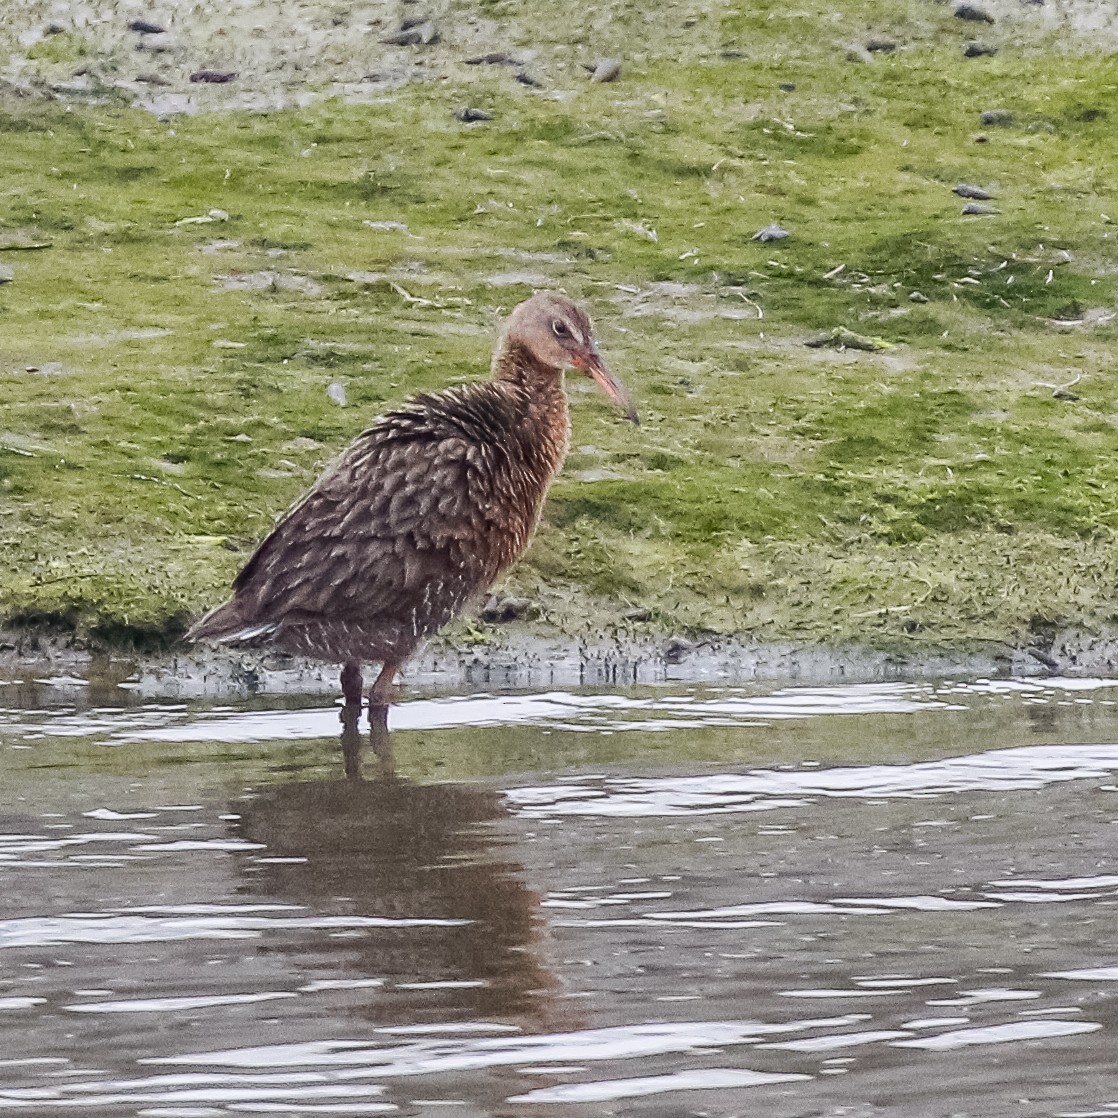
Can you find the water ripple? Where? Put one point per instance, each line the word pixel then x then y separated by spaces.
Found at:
pixel 608 1090
pixel 1001 770
pixel 53 931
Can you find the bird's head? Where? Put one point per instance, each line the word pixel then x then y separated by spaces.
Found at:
pixel 555 333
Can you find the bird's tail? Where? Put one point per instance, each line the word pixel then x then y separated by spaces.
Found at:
pixel 228 624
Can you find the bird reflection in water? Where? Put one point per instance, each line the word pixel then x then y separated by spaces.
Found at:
pixel 381 845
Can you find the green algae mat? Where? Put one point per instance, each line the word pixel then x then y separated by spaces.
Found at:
pixel 894 424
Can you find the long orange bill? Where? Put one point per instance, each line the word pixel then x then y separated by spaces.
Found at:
pixel 609 384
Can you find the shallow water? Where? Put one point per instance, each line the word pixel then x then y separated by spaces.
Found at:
pixel 879 899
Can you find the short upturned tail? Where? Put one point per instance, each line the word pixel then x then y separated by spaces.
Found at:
pixel 228 624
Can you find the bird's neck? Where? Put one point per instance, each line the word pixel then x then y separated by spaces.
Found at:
pixel 538 392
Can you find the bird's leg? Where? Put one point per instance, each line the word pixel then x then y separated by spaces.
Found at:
pixel 380 741
pixel 380 694
pixel 351 741
pixel 352 684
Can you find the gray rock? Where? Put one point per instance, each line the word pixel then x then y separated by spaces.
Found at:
pixel 525 78
pixel 146 27
pixel 969 190
pixel 677 648
pixel 772 232
pixel 918 297
pixel 413 35
pixel 493 58
pixel 500 610
pixel 978 49
pixel 638 613
pixel 787 87
pixel 973 13
pixel 841 338
pixel 213 77
pixel 606 70
pixel 470 116
pixel 996 118
pixel 7 274
pixel 982 209
pixel 880 45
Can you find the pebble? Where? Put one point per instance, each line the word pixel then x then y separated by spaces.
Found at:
pixel 841 338
pixel 918 297
pixel 7 274
pixel 525 78
pixel 146 27
pixel 336 391
pixel 973 13
pixel 980 208
pixel 413 35
pixel 787 87
pixel 606 70
pixel 505 609
pixel 213 77
pixel 493 58
pixel 677 648
pixel 978 49
pixel 772 232
pixel 969 190
pixel 879 45
pixel 469 116
pixel 996 118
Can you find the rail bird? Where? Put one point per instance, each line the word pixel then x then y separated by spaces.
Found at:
pixel 422 512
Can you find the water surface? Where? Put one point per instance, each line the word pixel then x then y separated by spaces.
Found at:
pixel 878 899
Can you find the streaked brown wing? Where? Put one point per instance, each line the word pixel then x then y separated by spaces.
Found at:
pixel 377 535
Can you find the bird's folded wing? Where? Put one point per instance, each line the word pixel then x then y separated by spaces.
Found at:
pixel 377 528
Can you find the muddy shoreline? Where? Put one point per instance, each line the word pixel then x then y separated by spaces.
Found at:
pixel 523 657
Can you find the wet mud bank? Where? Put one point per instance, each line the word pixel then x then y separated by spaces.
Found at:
pixel 521 657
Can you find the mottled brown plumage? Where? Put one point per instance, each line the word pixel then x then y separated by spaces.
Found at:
pixel 421 513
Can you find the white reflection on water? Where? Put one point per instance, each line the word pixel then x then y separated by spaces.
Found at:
pixel 53 931
pixel 700 1079
pixel 554 710
pixel 431 1057
pixel 998 1034
pixel 1000 770
pixel 177 1005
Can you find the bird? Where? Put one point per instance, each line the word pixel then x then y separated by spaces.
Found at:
pixel 422 513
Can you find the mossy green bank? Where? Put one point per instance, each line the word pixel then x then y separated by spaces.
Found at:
pixel 190 297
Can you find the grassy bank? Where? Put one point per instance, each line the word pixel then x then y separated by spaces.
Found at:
pixel 167 354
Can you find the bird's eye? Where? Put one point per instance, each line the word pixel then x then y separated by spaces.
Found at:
pixel 560 328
